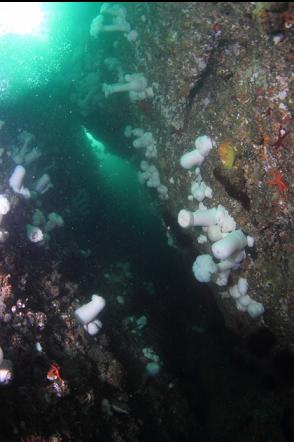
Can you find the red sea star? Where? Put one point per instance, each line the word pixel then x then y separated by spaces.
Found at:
pixel 278 181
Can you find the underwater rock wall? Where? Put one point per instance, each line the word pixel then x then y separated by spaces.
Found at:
pixel 223 69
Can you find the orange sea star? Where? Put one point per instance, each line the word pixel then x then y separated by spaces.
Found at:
pixel 53 373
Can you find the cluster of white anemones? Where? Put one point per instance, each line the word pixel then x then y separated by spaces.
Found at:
pixel 227 243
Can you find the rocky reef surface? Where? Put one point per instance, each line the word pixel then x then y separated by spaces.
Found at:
pixel 224 70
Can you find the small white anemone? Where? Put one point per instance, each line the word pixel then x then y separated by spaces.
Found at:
pixel 4 234
pixel 255 309
pixel 38 218
pixel 34 234
pixel 93 328
pixel 16 179
pixel 225 221
pixel 204 145
pixel 204 267
pixel 4 205
pixel 234 242
pixel 113 9
pixel 133 82
pixel 5 372
pixel 43 184
pixel 88 312
pixel 54 220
